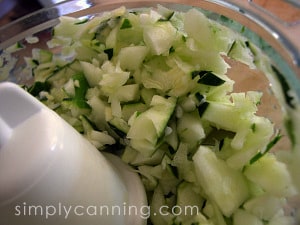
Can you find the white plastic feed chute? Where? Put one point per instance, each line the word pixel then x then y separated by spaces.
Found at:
pixel 50 174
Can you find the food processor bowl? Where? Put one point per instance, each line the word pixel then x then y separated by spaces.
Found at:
pixel 275 35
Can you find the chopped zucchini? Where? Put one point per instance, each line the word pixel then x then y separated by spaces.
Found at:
pixel 153 86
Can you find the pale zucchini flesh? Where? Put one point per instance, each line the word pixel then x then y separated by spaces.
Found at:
pixel 152 85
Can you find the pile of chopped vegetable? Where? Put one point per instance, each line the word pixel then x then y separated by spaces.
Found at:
pixel 151 85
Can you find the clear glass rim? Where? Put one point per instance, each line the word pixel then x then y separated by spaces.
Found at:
pixel 240 11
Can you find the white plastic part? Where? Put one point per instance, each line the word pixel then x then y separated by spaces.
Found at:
pixel 50 174
pixel 11 102
pixel 5 132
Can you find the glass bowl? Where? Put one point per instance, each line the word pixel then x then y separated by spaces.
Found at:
pixel 276 36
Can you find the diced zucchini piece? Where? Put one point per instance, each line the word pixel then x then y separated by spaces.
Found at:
pixel 69 88
pixel 155 159
pixel 113 78
pixel 172 137
pixel 119 125
pixel 245 218
pixel 142 135
pixel 92 73
pixel 190 129
pixel 281 219
pixel 224 185
pixel 115 106
pixel 32 39
pixel 75 108
pixel 272 175
pixel 44 71
pixel 79 29
pixel 240 51
pixel 186 169
pixel 14 48
pixel 169 179
pixel 208 34
pixel 165 12
pixel 128 93
pixel 100 139
pixel 159 37
pixel 158 105
pixel 98 111
pixel 129 109
pixel 84 53
pixel 224 116
pixel 131 35
pixel 131 57
pixel 172 81
pixel 129 154
pixel 264 206
pixel 150 176
pixel 188 200
pixel 189 205
pixel 150 125
pixel 147 95
pixel 111 42
pixel 252 142
pixel 159 213
pixel 42 55
pixel 86 123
